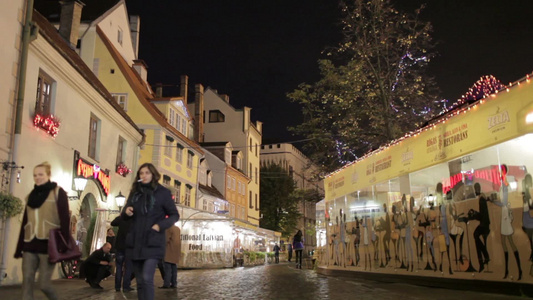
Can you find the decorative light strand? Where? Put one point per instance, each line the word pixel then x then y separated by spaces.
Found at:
pixel 446 116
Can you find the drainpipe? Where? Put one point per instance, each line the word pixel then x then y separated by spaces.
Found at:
pixel 21 85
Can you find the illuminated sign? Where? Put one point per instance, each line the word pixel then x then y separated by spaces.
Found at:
pixel 88 170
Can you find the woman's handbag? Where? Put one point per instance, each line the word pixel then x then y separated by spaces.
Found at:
pixel 60 249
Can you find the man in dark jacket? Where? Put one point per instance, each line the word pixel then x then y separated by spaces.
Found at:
pixel 124 269
pixel 97 266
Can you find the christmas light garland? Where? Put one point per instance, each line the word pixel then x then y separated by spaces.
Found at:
pixel 49 123
pixel 485 89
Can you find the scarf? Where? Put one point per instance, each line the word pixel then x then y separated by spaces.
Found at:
pixel 146 195
pixel 39 194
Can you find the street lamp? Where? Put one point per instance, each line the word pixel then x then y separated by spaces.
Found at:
pixel 79 184
pixel 120 200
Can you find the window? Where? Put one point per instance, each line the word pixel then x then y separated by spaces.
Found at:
pixel 184 126
pixel 228 184
pixel 256 175
pixel 251 204
pixel 256 202
pixel 243 213
pixel 43 101
pixel 168 146
pixel 120 36
pixel 251 145
pixel 232 210
pixel 122 100
pixel 233 183
pixel 188 195
pixel 256 146
pixel 238 163
pixel 204 205
pixel 179 153
pixel 190 156
pixel 166 180
pixel 93 137
pixel 250 174
pixel 216 116
pixel 177 122
pixel 121 151
pixel 171 116
pixel 177 191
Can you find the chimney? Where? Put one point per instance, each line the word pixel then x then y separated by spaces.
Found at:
pixel 159 90
pixel 184 90
pixel 135 28
pixel 141 68
pixel 225 97
pixel 69 22
pixel 198 113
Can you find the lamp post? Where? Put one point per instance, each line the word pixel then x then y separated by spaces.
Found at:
pixel 120 200
pixel 79 184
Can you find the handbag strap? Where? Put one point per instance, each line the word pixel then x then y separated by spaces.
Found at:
pixel 60 234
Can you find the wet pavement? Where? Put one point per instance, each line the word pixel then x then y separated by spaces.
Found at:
pixel 275 281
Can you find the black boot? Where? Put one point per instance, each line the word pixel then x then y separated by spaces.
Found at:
pixel 481 265
pixel 506 255
pixel 517 257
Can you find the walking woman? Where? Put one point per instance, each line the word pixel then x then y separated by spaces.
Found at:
pixel 152 211
pixel 46 208
pixel 298 246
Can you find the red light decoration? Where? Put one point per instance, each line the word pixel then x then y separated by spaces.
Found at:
pixel 123 170
pixel 48 123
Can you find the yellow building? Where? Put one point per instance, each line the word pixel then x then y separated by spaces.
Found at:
pixel 164 121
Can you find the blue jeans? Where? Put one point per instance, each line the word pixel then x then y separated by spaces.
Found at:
pixel 144 274
pixel 171 275
pixel 123 272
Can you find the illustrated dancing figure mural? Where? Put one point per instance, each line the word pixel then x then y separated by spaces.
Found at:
pixel 444 237
pixel 507 223
pixel 527 220
pixel 483 229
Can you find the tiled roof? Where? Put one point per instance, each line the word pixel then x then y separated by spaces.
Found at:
pixel 142 91
pixel 211 191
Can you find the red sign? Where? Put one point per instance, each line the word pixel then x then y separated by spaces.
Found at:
pixel 87 170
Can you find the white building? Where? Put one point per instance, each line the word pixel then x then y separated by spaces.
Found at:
pixel 70 120
pixel 304 173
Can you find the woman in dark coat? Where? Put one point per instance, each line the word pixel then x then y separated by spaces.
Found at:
pixel 152 210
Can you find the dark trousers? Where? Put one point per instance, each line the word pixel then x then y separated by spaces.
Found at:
pixel 276 255
pixel 299 254
pixel 290 255
pixel 171 275
pixel 144 272
pixel 123 271
pixel 95 273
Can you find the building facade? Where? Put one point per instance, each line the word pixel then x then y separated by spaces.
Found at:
pixel 222 122
pixel 305 175
pixel 69 119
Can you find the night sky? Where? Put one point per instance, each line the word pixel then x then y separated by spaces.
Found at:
pixel 256 51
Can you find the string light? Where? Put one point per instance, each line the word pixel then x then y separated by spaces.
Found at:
pixel 487 85
pixel 49 123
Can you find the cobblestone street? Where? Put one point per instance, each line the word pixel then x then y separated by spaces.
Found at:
pixel 281 281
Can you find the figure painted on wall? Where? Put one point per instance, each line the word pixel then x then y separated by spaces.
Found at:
pixel 527 220
pixel 374 236
pixel 483 229
pixel 342 241
pixel 366 238
pixel 507 223
pixel 397 239
pixel 456 234
pixel 357 241
pixel 385 225
pixel 410 231
pixel 444 236
pixel 427 221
